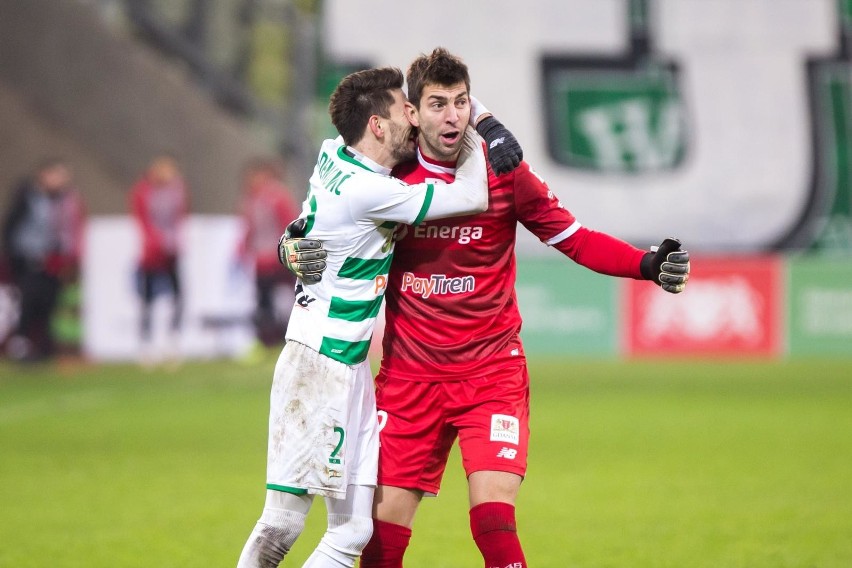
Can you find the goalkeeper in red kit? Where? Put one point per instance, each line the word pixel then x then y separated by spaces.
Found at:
pixel 453 365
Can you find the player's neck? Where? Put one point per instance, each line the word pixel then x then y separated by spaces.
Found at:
pixel 430 161
pixel 370 159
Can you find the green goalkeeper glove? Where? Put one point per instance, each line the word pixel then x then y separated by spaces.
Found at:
pixel 303 257
pixel 667 266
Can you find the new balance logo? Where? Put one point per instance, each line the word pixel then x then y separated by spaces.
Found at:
pixel 496 142
pixel 512 565
pixel 302 297
pixel 507 453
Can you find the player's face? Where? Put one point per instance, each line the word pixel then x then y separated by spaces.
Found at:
pixel 402 134
pixel 441 119
pixel 254 180
pixel 163 171
pixel 55 178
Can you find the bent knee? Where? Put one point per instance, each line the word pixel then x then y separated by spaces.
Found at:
pixel 350 535
pixel 280 527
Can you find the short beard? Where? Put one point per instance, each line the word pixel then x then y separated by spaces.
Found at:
pixel 405 154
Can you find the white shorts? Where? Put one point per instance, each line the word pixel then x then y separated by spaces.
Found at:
pixel 323 430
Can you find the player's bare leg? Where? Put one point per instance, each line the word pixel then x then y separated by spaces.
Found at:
pixel 490 486
pixel 281 523
pixel 396 505
pixel 492 497
pixel 350 525
pixel 393 515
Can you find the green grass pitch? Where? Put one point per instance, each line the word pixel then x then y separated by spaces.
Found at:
pixel 682 464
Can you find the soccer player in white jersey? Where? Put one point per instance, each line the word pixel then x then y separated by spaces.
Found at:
pixel 323 429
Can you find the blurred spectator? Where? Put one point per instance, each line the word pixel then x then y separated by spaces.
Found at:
pixel 42 234
pixel 159 203
pixel 267 206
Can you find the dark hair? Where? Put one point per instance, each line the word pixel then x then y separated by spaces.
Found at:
pixel 359 96
pixel 438 68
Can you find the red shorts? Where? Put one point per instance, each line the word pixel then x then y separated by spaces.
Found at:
pixel 419 422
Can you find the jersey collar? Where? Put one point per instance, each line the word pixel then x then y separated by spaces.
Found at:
pixel 435 166
pixel 365 161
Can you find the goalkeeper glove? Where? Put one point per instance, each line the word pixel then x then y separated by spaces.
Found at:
pixel 303 257
pixel 667 266
pixel 504 151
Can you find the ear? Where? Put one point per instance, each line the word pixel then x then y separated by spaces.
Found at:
pixel 412 114
pixel 375 125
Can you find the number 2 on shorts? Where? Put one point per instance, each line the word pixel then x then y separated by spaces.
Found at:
pixel 333 458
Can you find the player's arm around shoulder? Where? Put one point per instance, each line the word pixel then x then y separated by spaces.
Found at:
pixel 468 193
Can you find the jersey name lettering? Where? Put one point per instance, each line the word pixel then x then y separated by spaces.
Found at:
pixel 330 176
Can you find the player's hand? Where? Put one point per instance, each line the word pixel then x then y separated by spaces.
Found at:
pixel 504 151
pixel 667 266
pixel 303 257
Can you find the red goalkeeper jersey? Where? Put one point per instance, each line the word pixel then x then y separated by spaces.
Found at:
pixel 451 310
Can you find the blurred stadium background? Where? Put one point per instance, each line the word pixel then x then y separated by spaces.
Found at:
pixel 708 429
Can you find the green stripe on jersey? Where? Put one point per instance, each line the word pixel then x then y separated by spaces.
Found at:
pixel 309 224
pixel 364 268
pixel 341 153
pixel 287 489
pixel 349 352
pixel 354 310
pixel 427 201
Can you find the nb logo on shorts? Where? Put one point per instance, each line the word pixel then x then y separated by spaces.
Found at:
pixel 507 453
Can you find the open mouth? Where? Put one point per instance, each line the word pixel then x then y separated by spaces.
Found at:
pixel 451 138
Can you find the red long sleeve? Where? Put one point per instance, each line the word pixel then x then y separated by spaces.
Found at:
pixel 602 253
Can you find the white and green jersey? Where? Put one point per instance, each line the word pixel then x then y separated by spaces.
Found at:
pixel 353 206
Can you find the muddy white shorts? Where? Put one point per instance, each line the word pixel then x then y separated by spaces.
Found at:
pixel 323 431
